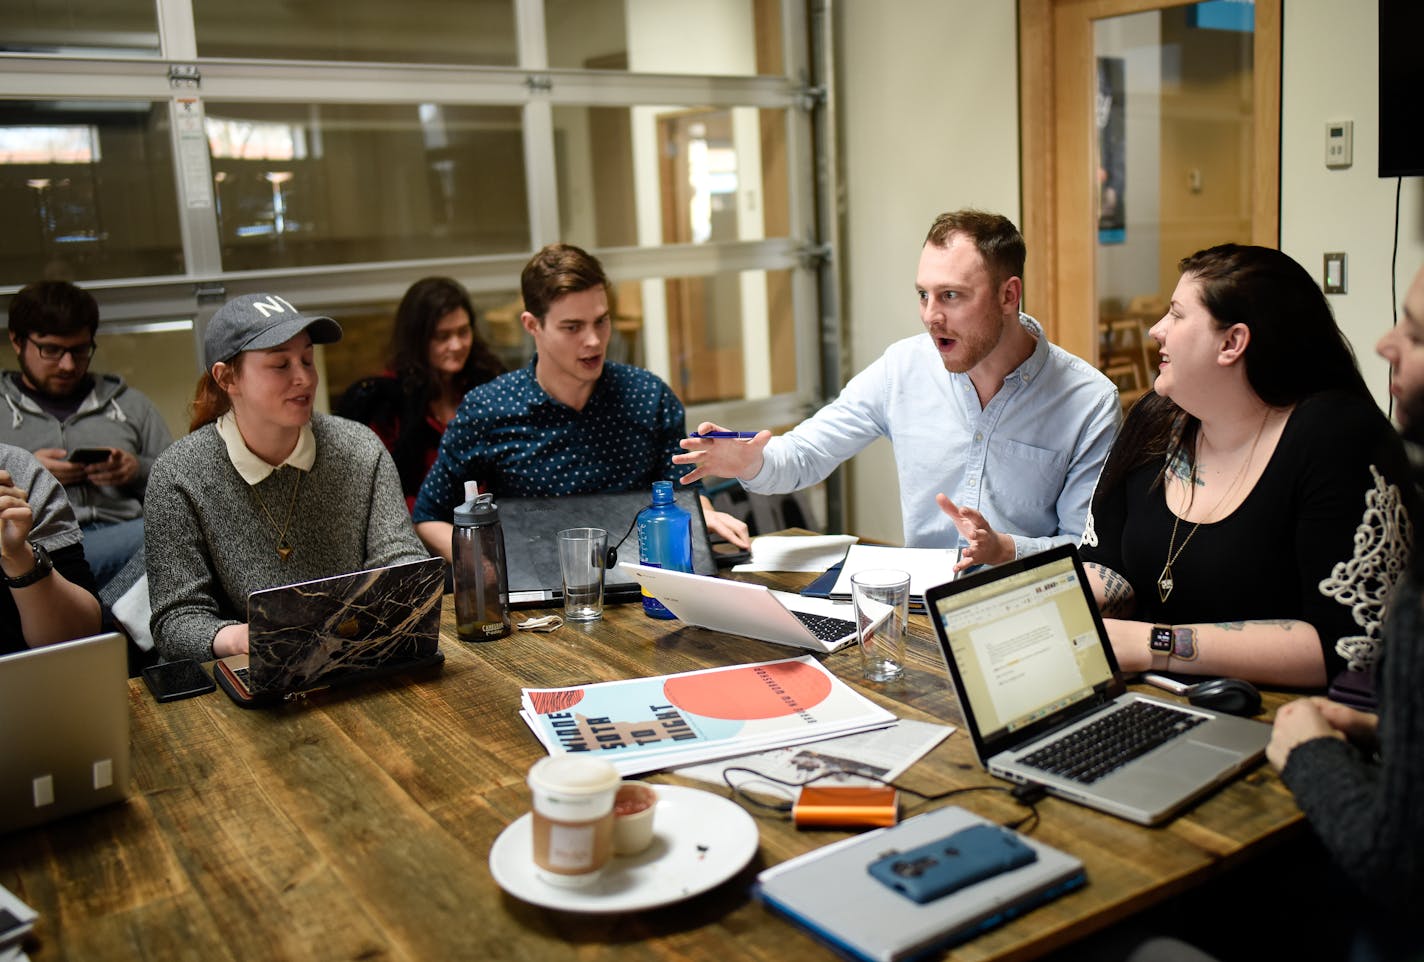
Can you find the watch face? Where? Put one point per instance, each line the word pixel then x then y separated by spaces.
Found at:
pixel 1161 639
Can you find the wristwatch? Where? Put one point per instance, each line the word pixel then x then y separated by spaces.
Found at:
pixel 41 570
pixel 1161 641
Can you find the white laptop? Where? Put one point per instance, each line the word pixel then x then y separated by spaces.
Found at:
pixel 64 728
pixel 741 608
pixel 1033 670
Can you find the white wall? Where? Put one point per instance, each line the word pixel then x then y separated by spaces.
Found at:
pixel 926 131
pixel 1330 71
pixel 929 94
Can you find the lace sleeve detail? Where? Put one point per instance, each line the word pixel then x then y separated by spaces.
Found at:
pixel 1363 583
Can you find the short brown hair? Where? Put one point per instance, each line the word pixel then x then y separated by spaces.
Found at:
pixel 994 235
pixel 555 271
pixel 53 308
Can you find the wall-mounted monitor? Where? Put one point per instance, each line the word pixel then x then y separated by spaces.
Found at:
pixel 1401 80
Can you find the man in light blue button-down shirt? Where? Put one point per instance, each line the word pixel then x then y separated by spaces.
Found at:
pixel 999 435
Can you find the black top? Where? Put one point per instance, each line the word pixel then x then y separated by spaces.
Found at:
pixel 1321 537
pixel 399 414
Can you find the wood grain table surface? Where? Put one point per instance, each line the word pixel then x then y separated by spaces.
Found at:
pixel 357 823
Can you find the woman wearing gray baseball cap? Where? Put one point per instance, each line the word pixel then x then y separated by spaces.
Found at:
pixel 262 492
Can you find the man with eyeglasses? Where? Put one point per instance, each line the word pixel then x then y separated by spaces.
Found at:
pixel 94 433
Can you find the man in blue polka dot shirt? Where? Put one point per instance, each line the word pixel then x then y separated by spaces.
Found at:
pixel 569 422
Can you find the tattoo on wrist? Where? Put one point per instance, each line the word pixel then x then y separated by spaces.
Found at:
pixel 1285 624
pixel 1184 644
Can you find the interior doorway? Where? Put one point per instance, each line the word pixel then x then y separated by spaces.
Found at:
pixel 1150 130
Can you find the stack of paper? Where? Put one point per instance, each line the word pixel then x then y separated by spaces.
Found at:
pixel 927 567
pixel 777 552
pixel 645 724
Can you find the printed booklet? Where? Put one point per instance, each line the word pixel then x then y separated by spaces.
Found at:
pixel 646 724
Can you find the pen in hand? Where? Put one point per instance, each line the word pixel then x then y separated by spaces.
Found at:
pixel 733 435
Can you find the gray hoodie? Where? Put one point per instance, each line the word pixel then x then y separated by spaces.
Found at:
pixel 112 416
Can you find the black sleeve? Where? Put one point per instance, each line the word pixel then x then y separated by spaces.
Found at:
pixel 1367 812
pixel 1352 528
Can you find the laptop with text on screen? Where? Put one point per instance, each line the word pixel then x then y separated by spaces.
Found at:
pixel 1044 702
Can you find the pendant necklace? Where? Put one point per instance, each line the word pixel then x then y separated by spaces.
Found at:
pixel 284 549
pixel 1174 551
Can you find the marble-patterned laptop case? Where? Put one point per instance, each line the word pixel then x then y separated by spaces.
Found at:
pixel 319 632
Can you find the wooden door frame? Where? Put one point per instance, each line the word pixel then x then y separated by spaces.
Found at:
pixel 1056 89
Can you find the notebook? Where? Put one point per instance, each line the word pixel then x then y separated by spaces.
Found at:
pixel 331 631
pixel 64 725
pixel 531 540
pixel 1033 669
pixel 865 919
pixel 740 608
pixel 925 566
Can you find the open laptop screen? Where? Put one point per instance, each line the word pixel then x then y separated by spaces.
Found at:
pixel 1025 645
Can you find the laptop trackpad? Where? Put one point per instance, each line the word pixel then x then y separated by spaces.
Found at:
pixel 1181 769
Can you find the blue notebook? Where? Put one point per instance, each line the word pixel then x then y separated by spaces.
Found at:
pixel 865 918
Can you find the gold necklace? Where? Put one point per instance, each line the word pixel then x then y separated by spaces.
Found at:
pixel 284 550
pixel 1164 580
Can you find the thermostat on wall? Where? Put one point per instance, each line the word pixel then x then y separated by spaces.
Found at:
pixel 1339 144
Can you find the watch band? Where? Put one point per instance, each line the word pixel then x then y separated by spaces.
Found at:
pixel 1161 640
pixel 41 570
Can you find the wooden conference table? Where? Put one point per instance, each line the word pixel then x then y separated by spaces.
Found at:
pixel 358 824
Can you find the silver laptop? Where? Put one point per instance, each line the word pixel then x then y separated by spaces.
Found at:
pixel 1038 685
pixel 531 540
pixel 335 630
pixel 64 728
pixel 740 608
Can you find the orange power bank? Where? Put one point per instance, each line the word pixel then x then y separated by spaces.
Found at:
pixel 836 806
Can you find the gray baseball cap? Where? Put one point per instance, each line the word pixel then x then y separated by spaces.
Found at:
pixel 254 322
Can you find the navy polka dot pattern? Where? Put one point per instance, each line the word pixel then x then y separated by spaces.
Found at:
pixel 519 442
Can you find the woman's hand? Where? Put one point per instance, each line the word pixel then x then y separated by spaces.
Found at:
pixel 230 640
pixel 1298 722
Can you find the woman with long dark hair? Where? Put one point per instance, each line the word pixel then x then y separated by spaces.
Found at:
pixel 435 356
pixel 1250 520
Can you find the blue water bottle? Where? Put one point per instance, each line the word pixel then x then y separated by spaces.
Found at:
pixel 664 541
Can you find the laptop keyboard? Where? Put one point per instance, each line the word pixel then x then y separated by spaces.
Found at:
pixel 1112 741
pixel 824 628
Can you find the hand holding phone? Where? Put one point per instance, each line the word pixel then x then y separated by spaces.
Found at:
pixel 89 455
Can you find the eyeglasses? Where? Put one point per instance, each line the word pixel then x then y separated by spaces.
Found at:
pixel 53 352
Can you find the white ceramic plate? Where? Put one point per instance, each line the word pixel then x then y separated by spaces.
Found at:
pixel 699 841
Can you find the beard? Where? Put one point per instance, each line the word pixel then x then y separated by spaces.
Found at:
pixel 1411 418
pixel 43 386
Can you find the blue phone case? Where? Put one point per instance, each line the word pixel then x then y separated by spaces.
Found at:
pixel 951 863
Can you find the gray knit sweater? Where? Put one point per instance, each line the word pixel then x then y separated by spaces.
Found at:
pixel 210 545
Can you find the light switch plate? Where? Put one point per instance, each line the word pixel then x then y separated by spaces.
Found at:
pixel 1334 273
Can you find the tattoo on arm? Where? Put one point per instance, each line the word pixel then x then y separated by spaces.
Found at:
pixel 1285 624
pixel 1118 595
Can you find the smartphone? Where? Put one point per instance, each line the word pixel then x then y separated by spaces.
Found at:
pixel 88 455
pixel 951 863
pixel 174 680
pixel 1167 684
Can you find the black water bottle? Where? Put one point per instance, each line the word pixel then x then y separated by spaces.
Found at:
pixel 481 578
